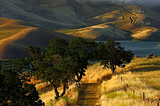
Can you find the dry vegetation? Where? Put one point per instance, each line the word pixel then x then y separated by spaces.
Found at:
pixel 8 28
pixel 10 32
pixel 47 95
pixel 141 75
pixel 118 24
pixel 15 35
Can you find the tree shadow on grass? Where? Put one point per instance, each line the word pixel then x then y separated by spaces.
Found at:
pixel 45 89
pixel 145 69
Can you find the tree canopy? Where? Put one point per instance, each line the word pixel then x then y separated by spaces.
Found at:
pixel 112 54
pixel 59 63
pixel 13 89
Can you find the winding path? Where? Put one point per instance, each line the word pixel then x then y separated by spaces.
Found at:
pixel 131 17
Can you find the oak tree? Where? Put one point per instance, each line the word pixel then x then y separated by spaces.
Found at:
pixel 61 62
pixel 13 87
pixel 112 54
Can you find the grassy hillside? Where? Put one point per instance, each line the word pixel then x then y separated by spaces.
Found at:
pixel 141 75
pixel 121 22
pixel 14 37
pixel 84 18
pixel 45 14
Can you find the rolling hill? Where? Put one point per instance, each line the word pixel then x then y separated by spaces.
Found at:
pixel 36 22
pixel 15 36
pixel 124 22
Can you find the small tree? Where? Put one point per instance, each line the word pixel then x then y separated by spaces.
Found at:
pixel 61 62
pixel 112 54
pixel 81 51
pixel 52 64
pixel 13 89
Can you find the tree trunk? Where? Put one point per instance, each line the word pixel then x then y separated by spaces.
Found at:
pixel 64 89
pixel 55 90
pixel 79 77
pixel 113 68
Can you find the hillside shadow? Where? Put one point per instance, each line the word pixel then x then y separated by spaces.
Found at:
pixel 113 33
pixel 45 89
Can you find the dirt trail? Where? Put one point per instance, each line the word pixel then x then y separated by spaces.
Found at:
pixel 131 18
pixel 89 95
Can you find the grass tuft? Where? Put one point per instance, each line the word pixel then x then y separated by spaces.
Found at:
pixel 114 95
pixel 131 96
pixel 122 104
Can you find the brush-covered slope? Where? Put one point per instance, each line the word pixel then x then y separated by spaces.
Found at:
pixel 45 13
pixel 87 18
pixel 121 22
pixel 15 35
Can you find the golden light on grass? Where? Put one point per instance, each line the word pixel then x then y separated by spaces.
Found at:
pixel 148 81
pixel 113 93
pixel 70 98
pixel 9 41
pixel 143 33
pixel 112 90
pixel 91 32
pixel 95 74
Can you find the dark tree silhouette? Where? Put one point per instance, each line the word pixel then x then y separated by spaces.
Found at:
pixel 61 62
pixel 112 54
pixel 13 89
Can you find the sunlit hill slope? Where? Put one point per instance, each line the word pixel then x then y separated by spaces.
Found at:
pixel 122 22
pixel 15 35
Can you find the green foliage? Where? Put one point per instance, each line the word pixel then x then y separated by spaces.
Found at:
pixel 60 61
pixel 112 54
pixel 114 95
pixel 13 89
pixel 132 96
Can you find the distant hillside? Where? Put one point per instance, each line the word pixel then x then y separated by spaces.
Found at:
pixel 14 37
pixel 120 22
pixel 54 14
pixel 46 13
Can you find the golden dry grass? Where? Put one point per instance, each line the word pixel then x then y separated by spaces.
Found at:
pixel 15 9
pixel 112 89
pixel 8 42
pixel 96 74
pixel 15 36
pixel 113 93
pixel 95 31
pixel 8 27
pixel 141 80
pixel 87 33
pixel 123 18
pixel 70 98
